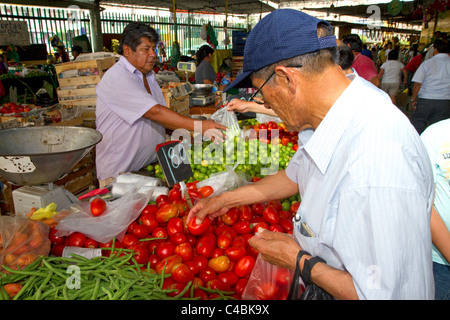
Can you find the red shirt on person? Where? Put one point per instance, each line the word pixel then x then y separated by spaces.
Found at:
pixel 365 67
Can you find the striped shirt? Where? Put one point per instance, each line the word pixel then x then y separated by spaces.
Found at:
pixel 366 186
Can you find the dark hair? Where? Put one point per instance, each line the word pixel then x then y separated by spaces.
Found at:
pixel 354 41
pixel 415 48
pixel 203 52
pixel 346 56
pixel 133 33
pixel 442 45
pixel 77 49
pixel 393 55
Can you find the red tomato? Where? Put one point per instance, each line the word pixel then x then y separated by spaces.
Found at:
pixel 216 284
pixel 183 207
pixel 235 253
pixel 206 245
pixel 175 225
pixel 244 266
pixel 192 185
pixel 242 227
pixel 219 264
pixel 54 239
pixel 129 239
pixel 271 215
pixel 284 214
pixel 179 287
pixel 181 273
pixel 286 224
pixel 141 253
pixel 178 238
pixel 228 277
pixel 267 291
pixel 150 208
pixel 167 212
pixel 165 249
pixel 76 239
pixel 167 264
pixel 216 253
pixel 276 204
pixel 140 231
pixel 98 206
pixel 231 216
pixel 245 213
pixel 131 226
pixel 294 207
pixel 262 224
pixel 195 196
pixel 90 243
pixel 193 266
pixel 206 191
pixel 174 194
pixel 224 240
pixel 276 228
pixel 148 219
pixel 257 209
pixel 240 286
pixel 153 260
pixel 161 198
pixel 283 277
pixel 239 241
pixel 224 229
pixel 57 250
pixel 207 274
pixel 201 262
pixel 160 232
pixel 198 229
pixel 184 250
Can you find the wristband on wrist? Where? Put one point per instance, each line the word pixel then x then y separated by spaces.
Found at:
pixel 307 267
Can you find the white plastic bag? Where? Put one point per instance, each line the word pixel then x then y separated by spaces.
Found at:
pixel 112 224
pixel 224 181
pixel 228 119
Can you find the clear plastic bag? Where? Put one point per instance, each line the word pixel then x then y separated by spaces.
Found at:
pixel 224 181
pixel 268 282
pixel 111 224
pixel 22 241
pixel 229 120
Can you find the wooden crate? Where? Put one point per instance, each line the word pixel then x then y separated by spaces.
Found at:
pixel 177 97
pixel 81 90
pixel 81 177
pixel 238 63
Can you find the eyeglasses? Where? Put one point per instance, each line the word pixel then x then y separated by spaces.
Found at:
pixel 257 91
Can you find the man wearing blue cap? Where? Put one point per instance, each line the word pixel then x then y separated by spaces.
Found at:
pixel 362 230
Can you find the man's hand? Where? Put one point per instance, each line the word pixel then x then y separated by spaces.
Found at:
pixel 213 130
pixel 212 207
pixel 278 248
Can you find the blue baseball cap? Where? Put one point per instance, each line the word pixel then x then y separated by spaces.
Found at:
pixel 282 34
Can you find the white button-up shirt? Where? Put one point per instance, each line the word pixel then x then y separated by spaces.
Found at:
pixel 366 186
pixel 129 140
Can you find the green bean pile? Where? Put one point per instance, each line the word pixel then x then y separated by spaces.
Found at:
pixel 116 277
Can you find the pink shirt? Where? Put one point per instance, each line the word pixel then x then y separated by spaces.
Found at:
pixel 365 67
pixel 129 140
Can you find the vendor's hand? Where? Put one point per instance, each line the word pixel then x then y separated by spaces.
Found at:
pixel 212 207
pixel 278 248
pixel 213 130
pixel 413 105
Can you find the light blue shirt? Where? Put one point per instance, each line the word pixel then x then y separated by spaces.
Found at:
pixel 367 189
pixel 434 75
pixel 436 139
pixel 129 139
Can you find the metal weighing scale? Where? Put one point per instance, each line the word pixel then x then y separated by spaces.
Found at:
pixel 202 94
pixel 34 157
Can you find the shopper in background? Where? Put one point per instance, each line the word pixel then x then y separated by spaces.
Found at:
pixel 204 73
pixel 363 226
pixel 436 139
pixel 411 68
pixel 76 51
pixel 362 64
pixel 391 75
pixel 131 113
pixel 430 98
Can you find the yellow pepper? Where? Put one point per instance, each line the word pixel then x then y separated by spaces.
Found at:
pixel 45 213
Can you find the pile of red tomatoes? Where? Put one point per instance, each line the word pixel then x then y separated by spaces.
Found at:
pixel 214 254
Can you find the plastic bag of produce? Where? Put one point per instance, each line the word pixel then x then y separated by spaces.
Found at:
pixel 229 120
pixel 22 241
pixel 111 224
pixel 224 181
pixel 268 282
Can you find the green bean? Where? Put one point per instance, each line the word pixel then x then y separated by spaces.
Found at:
pixel 96 289
pixel 216 291
pixel 3 294
pixel 23 272
pixel 183 291
pixel 51 268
